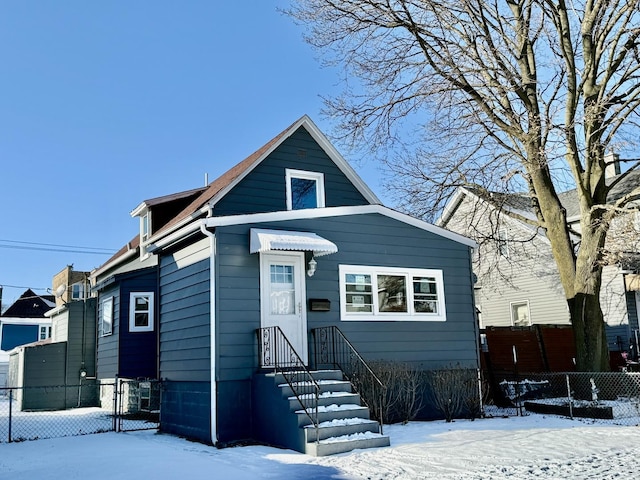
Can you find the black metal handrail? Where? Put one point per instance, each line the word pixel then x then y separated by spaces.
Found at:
pixel 334 350
pixel 276 352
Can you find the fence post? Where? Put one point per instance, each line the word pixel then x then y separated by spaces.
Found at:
pixel 10 408
pixel 569 397
pixel 481 403
pixel 115 405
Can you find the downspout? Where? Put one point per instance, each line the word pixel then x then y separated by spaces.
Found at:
pixel 212 326
pixel 476 331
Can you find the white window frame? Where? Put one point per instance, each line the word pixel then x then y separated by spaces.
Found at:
pixel 107 311
pixel 132 312
pixel 503 242
pixel 145 227
pixel 47 332
pixel 409 274
pixel 304 175
pixel 521 302
pixel 77 291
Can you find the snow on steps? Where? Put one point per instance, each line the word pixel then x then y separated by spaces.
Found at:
pixel 345 424
pixel 346 443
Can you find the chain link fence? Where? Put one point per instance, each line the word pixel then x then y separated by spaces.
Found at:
pixel 598 397
pixel 31 413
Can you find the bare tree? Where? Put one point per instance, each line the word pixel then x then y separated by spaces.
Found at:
pixel 502 95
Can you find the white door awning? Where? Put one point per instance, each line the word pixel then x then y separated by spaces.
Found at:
pixel 269 240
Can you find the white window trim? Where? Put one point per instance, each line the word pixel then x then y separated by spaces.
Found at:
pixel 107 304
pixel 132 306
pixel 144 237
pixel 81 289
pixel 521 302
pixel 317 176
pixel 408 273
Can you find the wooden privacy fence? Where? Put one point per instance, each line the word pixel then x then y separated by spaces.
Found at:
pixel 537 349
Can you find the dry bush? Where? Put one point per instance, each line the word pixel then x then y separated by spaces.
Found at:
pixel 454 392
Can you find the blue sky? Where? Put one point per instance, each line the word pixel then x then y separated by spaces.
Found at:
pixel 105 104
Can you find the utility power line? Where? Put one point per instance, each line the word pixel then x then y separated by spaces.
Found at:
pixel 52 247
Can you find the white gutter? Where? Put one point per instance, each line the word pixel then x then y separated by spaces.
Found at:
pixel 108 266
pixel 176 235
pixel 212 331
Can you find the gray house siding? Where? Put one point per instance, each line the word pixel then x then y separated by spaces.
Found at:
pixel 185 359
pixel 300 151
pixel 373 240
pixel 108 344
pixel 362 240
pixel 44 365
pixel 81 340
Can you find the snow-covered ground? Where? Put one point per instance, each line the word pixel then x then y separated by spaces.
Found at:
pixel 534 446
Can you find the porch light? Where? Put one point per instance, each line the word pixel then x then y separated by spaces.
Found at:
pixel 312 267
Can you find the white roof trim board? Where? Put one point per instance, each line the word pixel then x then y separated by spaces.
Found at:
pixel 262 240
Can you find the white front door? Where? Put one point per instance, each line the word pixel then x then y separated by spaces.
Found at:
pixel 282 297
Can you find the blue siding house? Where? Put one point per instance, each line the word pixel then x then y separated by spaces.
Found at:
pixel 288 243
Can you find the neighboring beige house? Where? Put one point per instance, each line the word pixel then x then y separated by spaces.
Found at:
pixel 70 285
pixel 517 280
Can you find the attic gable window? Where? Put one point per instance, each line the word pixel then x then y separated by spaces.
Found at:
pixel 304 189
pixel 386 294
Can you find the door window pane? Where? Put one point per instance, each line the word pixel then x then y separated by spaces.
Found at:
pixel 282 297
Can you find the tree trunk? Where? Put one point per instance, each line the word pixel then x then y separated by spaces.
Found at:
pixel 592 354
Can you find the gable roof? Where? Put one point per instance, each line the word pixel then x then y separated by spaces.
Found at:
pixel 152 202
pixel 223 184
pixel 521 202
pixel 30 305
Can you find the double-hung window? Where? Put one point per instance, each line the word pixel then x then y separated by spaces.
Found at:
pixel 304 189
pixel 384 293
pixel 141 312
pixel 77 291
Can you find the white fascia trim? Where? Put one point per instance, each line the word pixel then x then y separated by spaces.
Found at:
pixel 56 311
pixel 25 321
pixel 213 222
pixel 175 236
pixel 138 210
pixel 329 149
pixel 451 206
pixel 108 266
pixel 339 160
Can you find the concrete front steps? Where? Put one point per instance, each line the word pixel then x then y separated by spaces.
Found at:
pixel 344 423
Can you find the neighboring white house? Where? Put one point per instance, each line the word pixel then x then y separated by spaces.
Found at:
pixel 518 282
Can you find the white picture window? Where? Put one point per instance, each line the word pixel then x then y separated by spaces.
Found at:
pixel 106 323
pixel 304 189
pixel 520 315
pixel 141 312
pixel 383 293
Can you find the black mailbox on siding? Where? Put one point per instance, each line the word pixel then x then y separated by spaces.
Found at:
pixel 319 304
